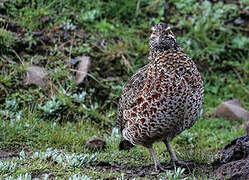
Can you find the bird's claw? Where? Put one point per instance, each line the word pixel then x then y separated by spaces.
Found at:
pixel 158 169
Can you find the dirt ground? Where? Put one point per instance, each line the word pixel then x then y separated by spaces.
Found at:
pixel 122 168
pixel 144 171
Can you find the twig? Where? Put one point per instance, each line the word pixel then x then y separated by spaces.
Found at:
pixel 18 56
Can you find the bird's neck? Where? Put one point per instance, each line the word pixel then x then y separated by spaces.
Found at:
pixel 154 54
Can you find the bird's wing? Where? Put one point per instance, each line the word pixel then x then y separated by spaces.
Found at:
pixel 131 90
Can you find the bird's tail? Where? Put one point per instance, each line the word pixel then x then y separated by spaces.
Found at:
pixel 125 145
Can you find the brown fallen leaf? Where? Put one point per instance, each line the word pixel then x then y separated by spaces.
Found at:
pixel 36 75
pixel 82 68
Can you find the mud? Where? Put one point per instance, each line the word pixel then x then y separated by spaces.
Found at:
pixel 142 171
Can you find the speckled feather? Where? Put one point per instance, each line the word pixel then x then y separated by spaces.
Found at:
pixel 164 97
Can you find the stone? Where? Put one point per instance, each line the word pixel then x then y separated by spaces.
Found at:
pixel 96 143
pixel 7 155
pixel 237 149
pixel 232 110
pixel 82 68
pixel 238 170
pixel 36 75
pixel 233 160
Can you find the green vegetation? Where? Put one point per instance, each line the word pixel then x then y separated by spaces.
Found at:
pixel 48 125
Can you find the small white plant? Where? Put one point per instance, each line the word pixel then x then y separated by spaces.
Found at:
pixel 11 111
pixel 115 136
pixel 26 176
pixel 12 165
pixel 22 155
pixel 73 160
pixel 79 177
pixel 68 25
pixel 80 98
pixel 176 175
pixel 8 166
pixel 51 106
pixel 115 133
pixel 65 159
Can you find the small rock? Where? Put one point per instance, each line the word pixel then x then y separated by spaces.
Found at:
pixel 4 155
pixel 7 155
pixel 232 110
pixel 96 143
pixel 35 75
pixel 233 170
pixel 235 150
pixel 82 68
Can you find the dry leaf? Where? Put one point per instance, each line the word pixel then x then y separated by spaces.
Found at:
pixel 82 68
pixel 35 75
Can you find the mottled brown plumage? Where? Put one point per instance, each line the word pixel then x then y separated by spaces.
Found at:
pixel 163 98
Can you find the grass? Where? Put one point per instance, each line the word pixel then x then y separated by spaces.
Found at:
pixel 199 144
pixel 61 116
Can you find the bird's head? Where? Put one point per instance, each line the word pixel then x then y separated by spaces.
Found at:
pixel 162 38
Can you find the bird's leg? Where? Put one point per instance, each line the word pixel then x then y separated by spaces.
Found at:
pixel 172 154
pixel 158 166
pixel 171 151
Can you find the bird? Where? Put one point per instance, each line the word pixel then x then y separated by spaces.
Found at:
pixel 162 99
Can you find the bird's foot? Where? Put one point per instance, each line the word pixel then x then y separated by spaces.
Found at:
pixel 158 169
